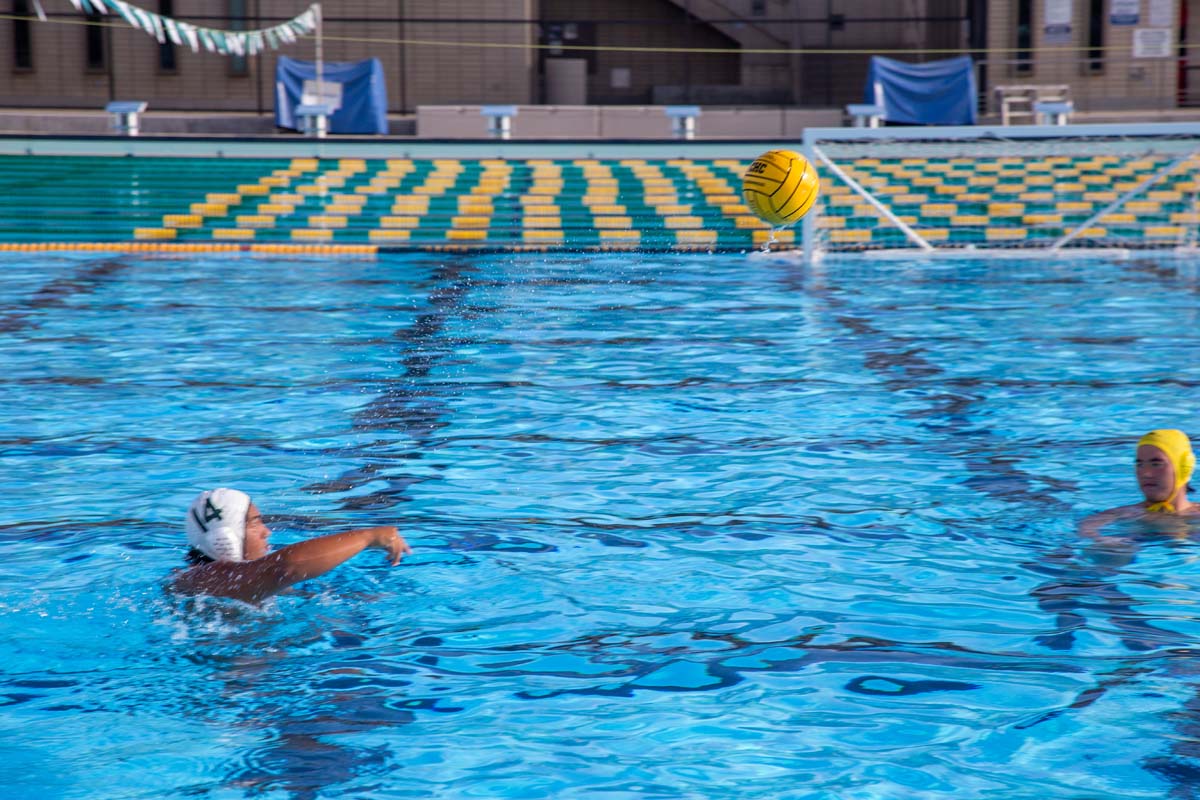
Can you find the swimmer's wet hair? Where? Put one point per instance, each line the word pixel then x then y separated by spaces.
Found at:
pixel 195 558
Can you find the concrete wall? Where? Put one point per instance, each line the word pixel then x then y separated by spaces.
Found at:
pixel 414 74
pixel 633 47
pixel 437 61
pixel 622 122
pixel 1121 82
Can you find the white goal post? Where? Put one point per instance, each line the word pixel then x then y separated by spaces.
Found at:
pixel 1017 188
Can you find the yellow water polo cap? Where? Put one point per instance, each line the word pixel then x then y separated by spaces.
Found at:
pixel 1178 450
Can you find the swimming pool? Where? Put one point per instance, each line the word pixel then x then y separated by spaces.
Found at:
pixel 685 526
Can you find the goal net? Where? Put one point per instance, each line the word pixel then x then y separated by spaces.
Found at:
pixel 1012 188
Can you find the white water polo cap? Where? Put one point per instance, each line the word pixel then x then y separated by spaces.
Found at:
pixel 216 524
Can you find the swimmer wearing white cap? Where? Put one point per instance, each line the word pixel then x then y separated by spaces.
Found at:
pixel 231 556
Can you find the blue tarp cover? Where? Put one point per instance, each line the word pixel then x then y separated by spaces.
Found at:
pixel 934 93
pixel 364 96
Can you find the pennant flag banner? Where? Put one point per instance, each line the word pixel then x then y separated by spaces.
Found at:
pixel 215 41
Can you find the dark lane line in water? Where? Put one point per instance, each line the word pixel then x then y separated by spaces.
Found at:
pixel 313 750
pixel 1078 586
pixel 902 366
pixel 408 404
pixel 998 476
pixel 86 278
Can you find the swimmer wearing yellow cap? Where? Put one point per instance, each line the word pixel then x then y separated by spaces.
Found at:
pixel 1163 465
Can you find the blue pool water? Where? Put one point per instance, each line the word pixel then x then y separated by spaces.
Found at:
pixel 685 526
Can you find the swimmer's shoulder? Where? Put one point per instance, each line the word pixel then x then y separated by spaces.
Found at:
pixel 210 578
pixel 1120 512
pixel 1093 523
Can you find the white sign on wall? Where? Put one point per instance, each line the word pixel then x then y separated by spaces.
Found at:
pixel 1152 43
pixel 330 93
pixel 1056 27
pixel 1162 14
pixel 1124 12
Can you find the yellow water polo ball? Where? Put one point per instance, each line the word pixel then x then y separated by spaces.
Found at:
pixel 780 187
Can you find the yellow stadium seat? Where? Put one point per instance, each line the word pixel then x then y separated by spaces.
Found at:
pixel 469 235
pixel 786 236
pixel 233 233
pixel 182 221
pixel 309 235
pixel 695 237
pixel 400 222
pixel 611 222
pixel 384 235
pixel 1005 234
pixel 327 221
pixel 616 235
pixel 542 236
pixel 255 221
pixel 154 233
pixel 1042 219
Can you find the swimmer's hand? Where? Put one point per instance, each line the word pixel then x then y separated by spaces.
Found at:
pixel 387 538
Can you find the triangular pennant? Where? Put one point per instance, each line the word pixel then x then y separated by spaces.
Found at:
pixel 189 33
pixel 224 42
pixel 126 11
pixel 172 30
pixel 144 21
pixel 159 33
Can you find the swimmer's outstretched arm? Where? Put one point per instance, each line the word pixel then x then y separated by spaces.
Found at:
pixel 274 572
